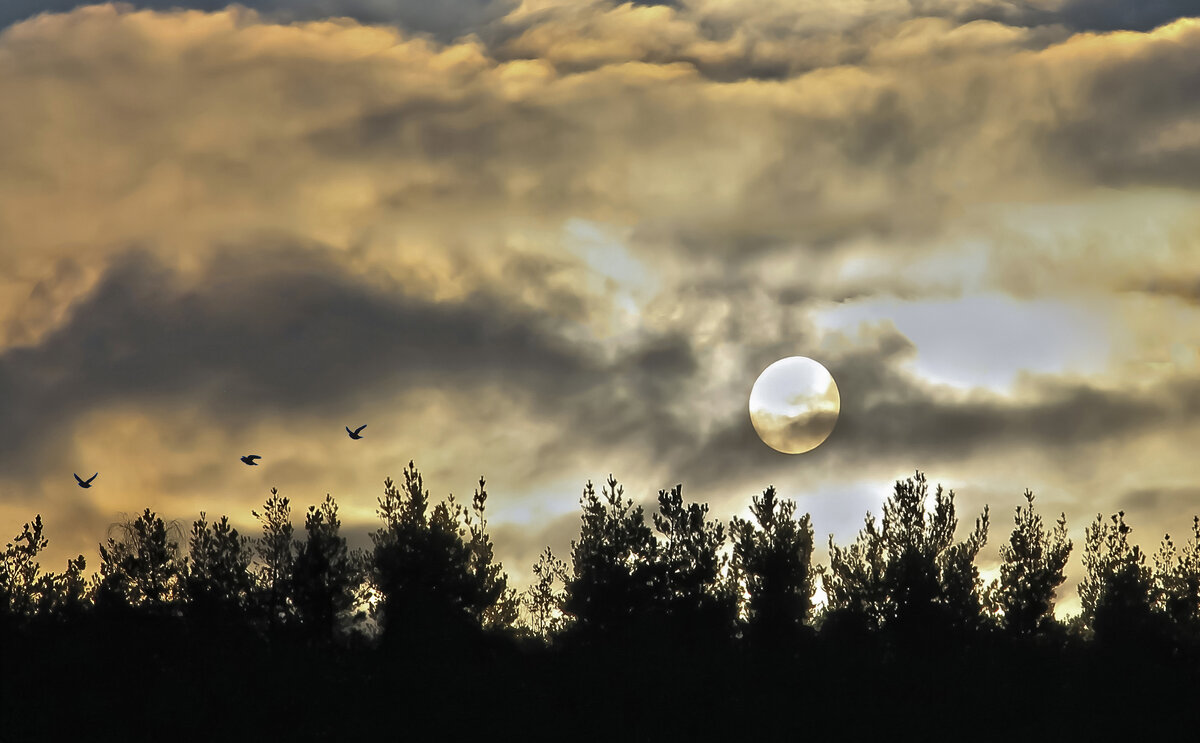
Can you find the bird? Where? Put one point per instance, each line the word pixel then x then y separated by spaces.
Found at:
pixel 249 459
pixel 355 433
pixel 85 483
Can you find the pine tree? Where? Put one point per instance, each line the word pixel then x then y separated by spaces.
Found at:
pixel 145 568
pixel 435 570
pixel 613 563
pixel 690 567
pixel 277 557
pixel 1177 581
pixel 542 601
pixel 855 582
pixel 68 595
pixel 500 604
pixel 325 574
pixel 219 579
pixel 1117 590
pixel 21 586
pixel 1033 567
pixel 772 564
pixel 909 574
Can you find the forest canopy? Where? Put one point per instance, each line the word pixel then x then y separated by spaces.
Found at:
pixel 702 596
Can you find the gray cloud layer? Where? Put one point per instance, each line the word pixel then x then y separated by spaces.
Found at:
pixel 445 19
pixel 266 332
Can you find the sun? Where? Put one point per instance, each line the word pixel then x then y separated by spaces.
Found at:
pixel 794 405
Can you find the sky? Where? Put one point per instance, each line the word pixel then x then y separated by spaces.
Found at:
pixel 543 241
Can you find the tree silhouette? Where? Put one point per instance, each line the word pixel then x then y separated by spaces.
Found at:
pixel 219 581
pixel 542 600
pixel 27 593
pixel 772 564
pixel 499 603
pixel 20 587
pixel 1177 581
pixel 613 563
pixel 325 574
pixel 1117 589
pixel 910 575
pixel 144 569
pixel 855 582
pixel 277 556
pixel 1033 567
pixel 431 577
pixel 689 564
pixel 67 595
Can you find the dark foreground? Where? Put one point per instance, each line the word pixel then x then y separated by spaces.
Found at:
pixel 157 680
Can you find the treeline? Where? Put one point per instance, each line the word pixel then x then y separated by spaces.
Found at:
pixel 682 606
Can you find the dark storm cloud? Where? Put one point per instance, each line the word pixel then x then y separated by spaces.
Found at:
pixel 1113 15
pixel 887 412
pixel 444 19
pixel 659 362
pixel 809 428
pixel 641 405
pixel 1077 15
pixel 280 331
pixel 1161 498
pixel 269 332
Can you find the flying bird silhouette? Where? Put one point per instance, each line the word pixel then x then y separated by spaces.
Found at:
pixel 85 483
pixel 249 459
pixel 355 433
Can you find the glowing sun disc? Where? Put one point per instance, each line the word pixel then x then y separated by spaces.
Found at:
pixel 794 405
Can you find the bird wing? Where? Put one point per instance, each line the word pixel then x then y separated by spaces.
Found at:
pixel 250 457
pixel 93 477
pixel 359 429
pixel 349 431
pixel 78 478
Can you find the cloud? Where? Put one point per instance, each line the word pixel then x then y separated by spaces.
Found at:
pixel 444 19
pixel 1112 15
pixel 1160 497
pixel 368 138
pixel 332 216
pixel 891 418
pixel 795 434
pixel 271 332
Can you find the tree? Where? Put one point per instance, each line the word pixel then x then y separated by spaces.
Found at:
pixel 689 566
pixel 613 562
pixel 1033 567
pixel 856 582
pixel 500 604
pixel 325 574
pixel 20 585
pixel 542 600
pixel 145 568
pixel 26 592
pixel 219 581
pixel 1117 590
pixel 1177 581
pixel 277 556
pixel 67 595
pixel 772 565
pixel 910 575
pixel 432 578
